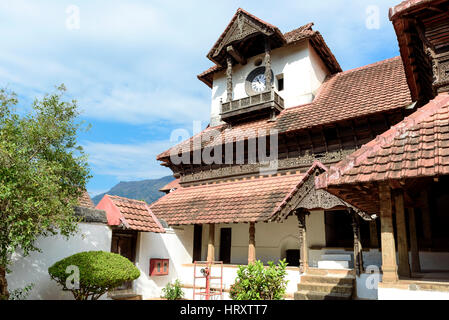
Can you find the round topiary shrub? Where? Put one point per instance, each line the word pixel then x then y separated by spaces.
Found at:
pixel 89 275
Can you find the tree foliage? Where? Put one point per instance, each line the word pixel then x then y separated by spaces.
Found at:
pixel 42 173
pixel 257 282
pixel 99 272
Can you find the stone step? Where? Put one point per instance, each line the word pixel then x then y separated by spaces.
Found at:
pixel 325 288
pixel 347 280
pixel 331 272
pixel 333 264
pixel 336 257
pixel 307 295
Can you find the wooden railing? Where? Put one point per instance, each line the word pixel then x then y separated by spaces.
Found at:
pixel 269 98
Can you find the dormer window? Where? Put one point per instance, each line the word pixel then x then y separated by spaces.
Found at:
pixel 280 82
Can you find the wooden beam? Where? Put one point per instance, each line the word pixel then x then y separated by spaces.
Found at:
pixel 236 55
pixel 211 244
pixel 229 79
pixel 252 243
pixel 415 263
pixel 401 228
pixel 389 266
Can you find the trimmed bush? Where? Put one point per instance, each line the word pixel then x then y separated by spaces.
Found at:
pixel 99 272
pixel 257 282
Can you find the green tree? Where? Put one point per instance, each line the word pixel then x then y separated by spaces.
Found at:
pixel 42 173
pixel 99 272
pixel 257 282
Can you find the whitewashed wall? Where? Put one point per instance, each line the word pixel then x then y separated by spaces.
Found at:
pixel 229 275
pixel 272 240
pixel 301 67
pixel 34 268
pixel 175 245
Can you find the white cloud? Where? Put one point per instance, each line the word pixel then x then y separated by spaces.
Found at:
pixel 127 161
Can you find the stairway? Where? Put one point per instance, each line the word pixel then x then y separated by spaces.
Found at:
pixel 321 284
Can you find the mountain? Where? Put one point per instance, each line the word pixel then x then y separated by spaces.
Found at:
pixel 147 190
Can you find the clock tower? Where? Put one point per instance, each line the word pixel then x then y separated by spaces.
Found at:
pixel 259 71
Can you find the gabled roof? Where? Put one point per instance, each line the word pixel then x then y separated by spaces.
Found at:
pixel 416 147
pixel 85 201
pixel 302 33
pixel 360 92
pixel 250 200
pixel 243 24
pixel 133 214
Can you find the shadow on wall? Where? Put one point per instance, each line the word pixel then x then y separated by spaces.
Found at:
pixel 289 242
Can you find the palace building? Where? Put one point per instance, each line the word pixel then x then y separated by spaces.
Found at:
pixel 342 173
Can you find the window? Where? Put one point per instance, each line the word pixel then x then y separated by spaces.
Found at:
pixel 280 81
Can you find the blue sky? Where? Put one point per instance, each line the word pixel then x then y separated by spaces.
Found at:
pixel 132 65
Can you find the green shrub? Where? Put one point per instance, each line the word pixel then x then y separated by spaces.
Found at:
pixel 256 282
pixel 21 293
pixel 99 272
pixel 173 291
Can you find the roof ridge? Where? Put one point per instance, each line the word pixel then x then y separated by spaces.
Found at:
pixel 248 180
pixel 374 64
pixel 124 198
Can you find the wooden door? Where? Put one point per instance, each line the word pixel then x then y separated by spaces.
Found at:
pixel 197 242
pixel 225 245
pixel 124 244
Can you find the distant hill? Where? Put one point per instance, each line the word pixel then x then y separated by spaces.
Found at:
pixel 147 190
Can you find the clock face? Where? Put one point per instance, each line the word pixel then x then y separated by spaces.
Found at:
pixel 256 82
pixel 259 83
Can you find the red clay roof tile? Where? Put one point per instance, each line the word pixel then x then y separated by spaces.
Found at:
pixel 416 147
pixel 134 214
pixel 85 201
pixel 227 202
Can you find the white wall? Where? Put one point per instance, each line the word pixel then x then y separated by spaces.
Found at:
pixel 34 267
pixel 302 69
pixel 229 274
pixel 402 294
pixel 272 240
pixel 175 245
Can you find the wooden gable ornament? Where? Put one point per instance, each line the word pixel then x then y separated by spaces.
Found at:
pixel 242 27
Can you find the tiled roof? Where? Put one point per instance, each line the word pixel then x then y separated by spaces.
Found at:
pixel 251 200
pixel 171 185
pixel 408 5
pixel 85 201
pixel 371 89
pixel 416 147
pixel 133 214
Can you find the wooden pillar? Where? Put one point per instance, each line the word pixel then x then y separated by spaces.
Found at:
pixel 389 266
pixel 358 254
pixel 373 237
pixel 415 263
pixel 268 78
pixel 401 228
pixel 303 250
pixel 211 243
pixel 252 243
pixel 426 223
pixel 229 79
